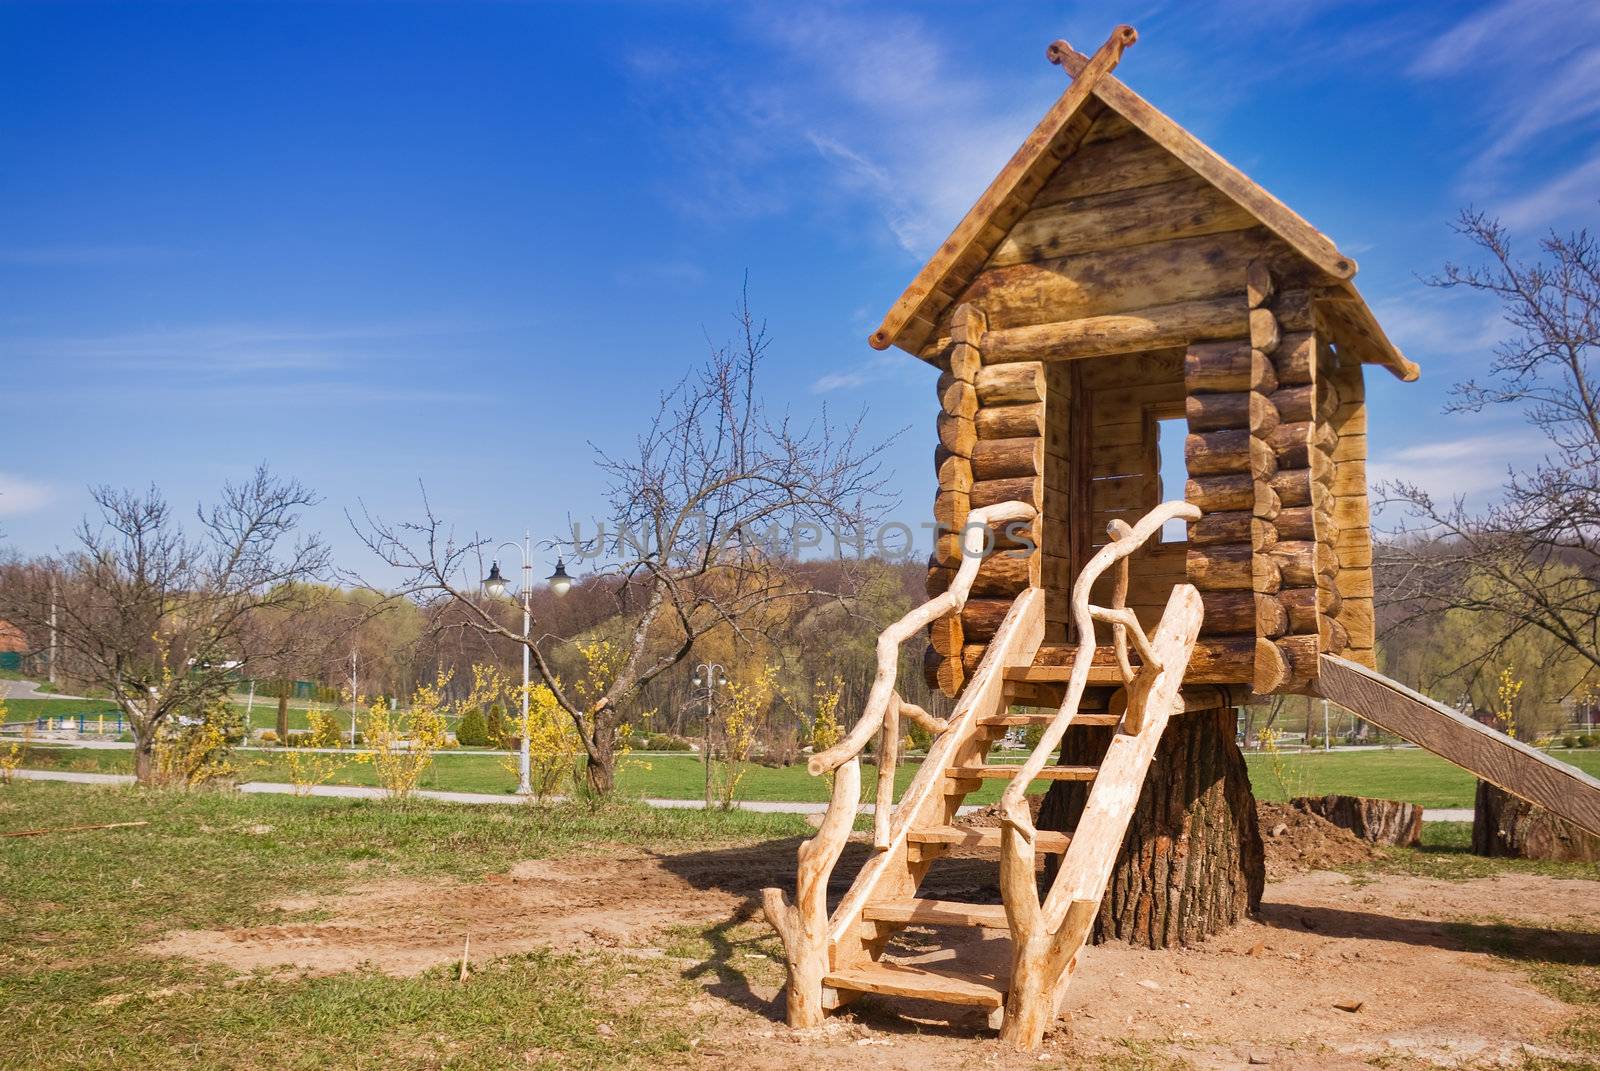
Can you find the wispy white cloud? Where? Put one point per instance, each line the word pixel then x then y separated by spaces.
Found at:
pixel 876 367
pixel 871 104
pixel 1534 69
pixel 19 496
pixel 1572 192
pixel 229 349
pixel 1450 328
pixel 1469 466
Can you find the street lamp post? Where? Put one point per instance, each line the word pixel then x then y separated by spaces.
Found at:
pixel 709 675
pixel 495 585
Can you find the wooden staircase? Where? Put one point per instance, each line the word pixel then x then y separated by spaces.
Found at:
pixel 833 959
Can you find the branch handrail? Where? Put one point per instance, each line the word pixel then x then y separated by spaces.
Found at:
pixel 1125 541
pixel 884 707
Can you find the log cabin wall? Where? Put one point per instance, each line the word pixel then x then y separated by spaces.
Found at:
pixel 1344 534
pixel 1231 464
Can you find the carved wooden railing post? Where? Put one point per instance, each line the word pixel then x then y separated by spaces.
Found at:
pixel 803 925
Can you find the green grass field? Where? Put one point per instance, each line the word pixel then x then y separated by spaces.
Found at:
pixel 79 990
pixel 1403 773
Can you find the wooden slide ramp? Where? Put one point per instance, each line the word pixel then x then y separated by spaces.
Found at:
pixel 1510 764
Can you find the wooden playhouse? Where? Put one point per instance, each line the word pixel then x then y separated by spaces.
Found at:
pixel 1119 293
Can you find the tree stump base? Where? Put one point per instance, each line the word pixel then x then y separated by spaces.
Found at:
pixel 1512 828
pixel 1191 864
pixel 1373 820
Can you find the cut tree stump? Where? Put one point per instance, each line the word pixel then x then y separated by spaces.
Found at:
pixel 1374 820
pixel 1191 863
pixel 1505 826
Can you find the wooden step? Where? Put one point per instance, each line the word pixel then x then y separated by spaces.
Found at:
pixel 896 980
pixel 1049 773
pixel 985 837
pixel 937 913
pixel 1048 674
pixel 1045 717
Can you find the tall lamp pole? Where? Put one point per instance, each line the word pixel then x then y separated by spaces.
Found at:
pixel 709 675
pixel 495 585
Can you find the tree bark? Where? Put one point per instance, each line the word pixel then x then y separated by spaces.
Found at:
pixel 1503 825
pixel 1375 820
pixel 600 770
pixel 1191 864
pixel 283 717
pixel 144 758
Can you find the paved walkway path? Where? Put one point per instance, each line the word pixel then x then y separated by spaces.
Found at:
pixel 30 690
pixel 278 788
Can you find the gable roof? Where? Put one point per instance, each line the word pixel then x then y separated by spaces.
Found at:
pixel 1056 137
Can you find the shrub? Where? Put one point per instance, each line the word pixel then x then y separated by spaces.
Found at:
pixel 324 729
pixel 1589 740
pixel 495 721
pixel 1569 741
pixel 403 748
pixel 267 736
pixel 194 750
pixel 473 729
pixel 664 742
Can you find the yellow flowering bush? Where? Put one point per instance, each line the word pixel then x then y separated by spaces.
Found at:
pixel 309 768
pixel 194 752
pixel 749 702
pixel 12 756
pixel 402 749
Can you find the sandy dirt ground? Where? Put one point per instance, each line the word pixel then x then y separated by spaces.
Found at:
pixel 1272 992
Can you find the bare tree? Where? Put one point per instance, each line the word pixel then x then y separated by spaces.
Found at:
pixel 1530 561
pixel 164 619
pixel 706 507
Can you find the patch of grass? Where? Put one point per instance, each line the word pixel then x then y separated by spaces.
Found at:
pixel 1404 774
pixel 1446 854
pixel 33 709
pixel 1409 774
pixel 76 907
pixel 537 1010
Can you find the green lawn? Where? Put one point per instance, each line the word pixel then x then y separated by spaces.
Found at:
pixel 78 992
pixel 1405 774
pixel 1409 774
pixel 30 709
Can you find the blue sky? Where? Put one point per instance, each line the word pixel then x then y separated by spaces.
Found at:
pixel 379 243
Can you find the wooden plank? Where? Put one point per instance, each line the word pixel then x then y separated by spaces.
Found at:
pixel 893 979
pixel 1124 332
pixel 1124 279
pixel 989 836
pixel 1104 165
pixel 937 912
pixel 1004 186
pixel 1187 207
pixel 1049 773
pixel 1512 765
pixel 1079 719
